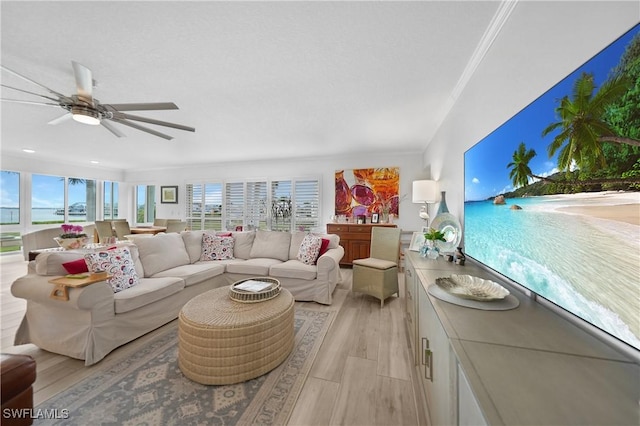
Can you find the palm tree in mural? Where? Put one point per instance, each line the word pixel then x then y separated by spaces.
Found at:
pixel 582 126
pixel 520 170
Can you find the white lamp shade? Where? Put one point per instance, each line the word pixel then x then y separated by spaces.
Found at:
pixel 425 191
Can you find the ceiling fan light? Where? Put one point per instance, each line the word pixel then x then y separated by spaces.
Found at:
pixel 85 115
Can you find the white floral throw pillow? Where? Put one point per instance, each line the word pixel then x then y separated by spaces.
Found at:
pixel 215 247
pixel 309 249
pixel 117 263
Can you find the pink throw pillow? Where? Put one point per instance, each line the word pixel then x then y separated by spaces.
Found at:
pixel 78 266
pixel 323 247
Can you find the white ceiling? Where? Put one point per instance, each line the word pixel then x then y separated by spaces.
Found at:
pixel 258 80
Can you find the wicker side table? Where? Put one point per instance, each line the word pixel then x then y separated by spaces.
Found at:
pixel 222 341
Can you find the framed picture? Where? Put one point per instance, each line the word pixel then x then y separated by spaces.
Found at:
pixel 375 218
pixel 416 241
pixel 169 194
pixel 361 219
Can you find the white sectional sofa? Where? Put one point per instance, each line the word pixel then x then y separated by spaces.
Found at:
pixel 169 272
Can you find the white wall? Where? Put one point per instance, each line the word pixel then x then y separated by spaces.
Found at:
pixel 410 165
pixel 581 30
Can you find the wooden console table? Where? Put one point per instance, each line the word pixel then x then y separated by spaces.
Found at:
pixel 355 239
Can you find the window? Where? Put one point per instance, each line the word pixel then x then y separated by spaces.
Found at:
pixel 282 205
pixel 234 205
pixel 47 199
pixel 256 205
pixel 204 206
pixel 110 200
pixel 10 204
pixel 307 205
pixel 81 196
pixel 145 203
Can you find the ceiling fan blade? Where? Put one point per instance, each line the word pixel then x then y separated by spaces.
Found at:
pixel 19 101
pixel 156 122
pixel 84 81
pixel 30 93
pixel 141 106
pixel 139 127
pixel 112 129
pixel 59 95
pixel 60 119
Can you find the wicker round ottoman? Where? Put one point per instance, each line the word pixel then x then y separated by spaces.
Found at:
pixel 222 341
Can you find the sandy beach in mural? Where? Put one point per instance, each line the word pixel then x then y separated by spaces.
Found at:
pixel 617 206
pixel 618 215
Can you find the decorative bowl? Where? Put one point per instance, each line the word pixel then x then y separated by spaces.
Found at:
pixel 470 287
pixel 72 243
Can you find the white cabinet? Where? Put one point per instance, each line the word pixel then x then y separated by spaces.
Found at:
pixel 435 361
pixel 475 366
pixel 469 413
pixel 411 302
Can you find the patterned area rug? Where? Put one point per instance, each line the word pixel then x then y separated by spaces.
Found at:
pixel 150 389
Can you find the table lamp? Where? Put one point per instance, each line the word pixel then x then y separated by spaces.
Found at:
pixel 425 191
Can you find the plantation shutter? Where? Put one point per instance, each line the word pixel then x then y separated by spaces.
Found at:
pixel 307 205
pixel 256 205
pixel 213 206
pixel 281 206
pixel 234 205
pixel 194 206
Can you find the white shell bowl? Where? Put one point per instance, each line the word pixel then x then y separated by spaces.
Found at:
pixel 470 287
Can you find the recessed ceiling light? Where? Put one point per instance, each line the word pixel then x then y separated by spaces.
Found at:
pixel 95 162
pixel 30 151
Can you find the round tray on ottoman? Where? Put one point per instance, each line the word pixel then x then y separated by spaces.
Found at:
pixel 223 342
pixel 271 290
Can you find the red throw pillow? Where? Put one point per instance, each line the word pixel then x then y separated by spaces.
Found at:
pixel 223 234
pixel 323 247
pixel 76 266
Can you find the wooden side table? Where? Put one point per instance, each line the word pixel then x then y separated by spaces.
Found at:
pixel 63 284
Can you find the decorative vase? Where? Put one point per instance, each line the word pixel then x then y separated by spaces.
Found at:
pixel 443 204
pixel 423 249
pixel 71 243
pixel 432 249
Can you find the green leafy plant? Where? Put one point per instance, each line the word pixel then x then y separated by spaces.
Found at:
pixel 434 235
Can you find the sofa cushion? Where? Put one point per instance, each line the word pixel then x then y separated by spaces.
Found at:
pixel 149 290
pixel 216 248
pixel 296 240
pixel 309 249
pixel 195 273
pixel 294 269
pixel 118 263
pixel 257 267
pixel 271 244
pixel 50 263
pixel 242 244
pixel 162 252
pixel 193 244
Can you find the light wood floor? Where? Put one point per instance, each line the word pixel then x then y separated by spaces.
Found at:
pixel 363 374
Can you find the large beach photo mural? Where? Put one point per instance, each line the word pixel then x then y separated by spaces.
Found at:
pixel 552 196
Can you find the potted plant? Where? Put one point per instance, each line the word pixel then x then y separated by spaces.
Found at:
pixel 431 249
pixel 72 237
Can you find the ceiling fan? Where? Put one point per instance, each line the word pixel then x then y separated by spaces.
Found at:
pixel 84 108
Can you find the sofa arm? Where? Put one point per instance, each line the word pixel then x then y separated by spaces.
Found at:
pixel 38 288
pixel 329 265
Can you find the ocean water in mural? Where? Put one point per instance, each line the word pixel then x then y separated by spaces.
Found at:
pixel 558 247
